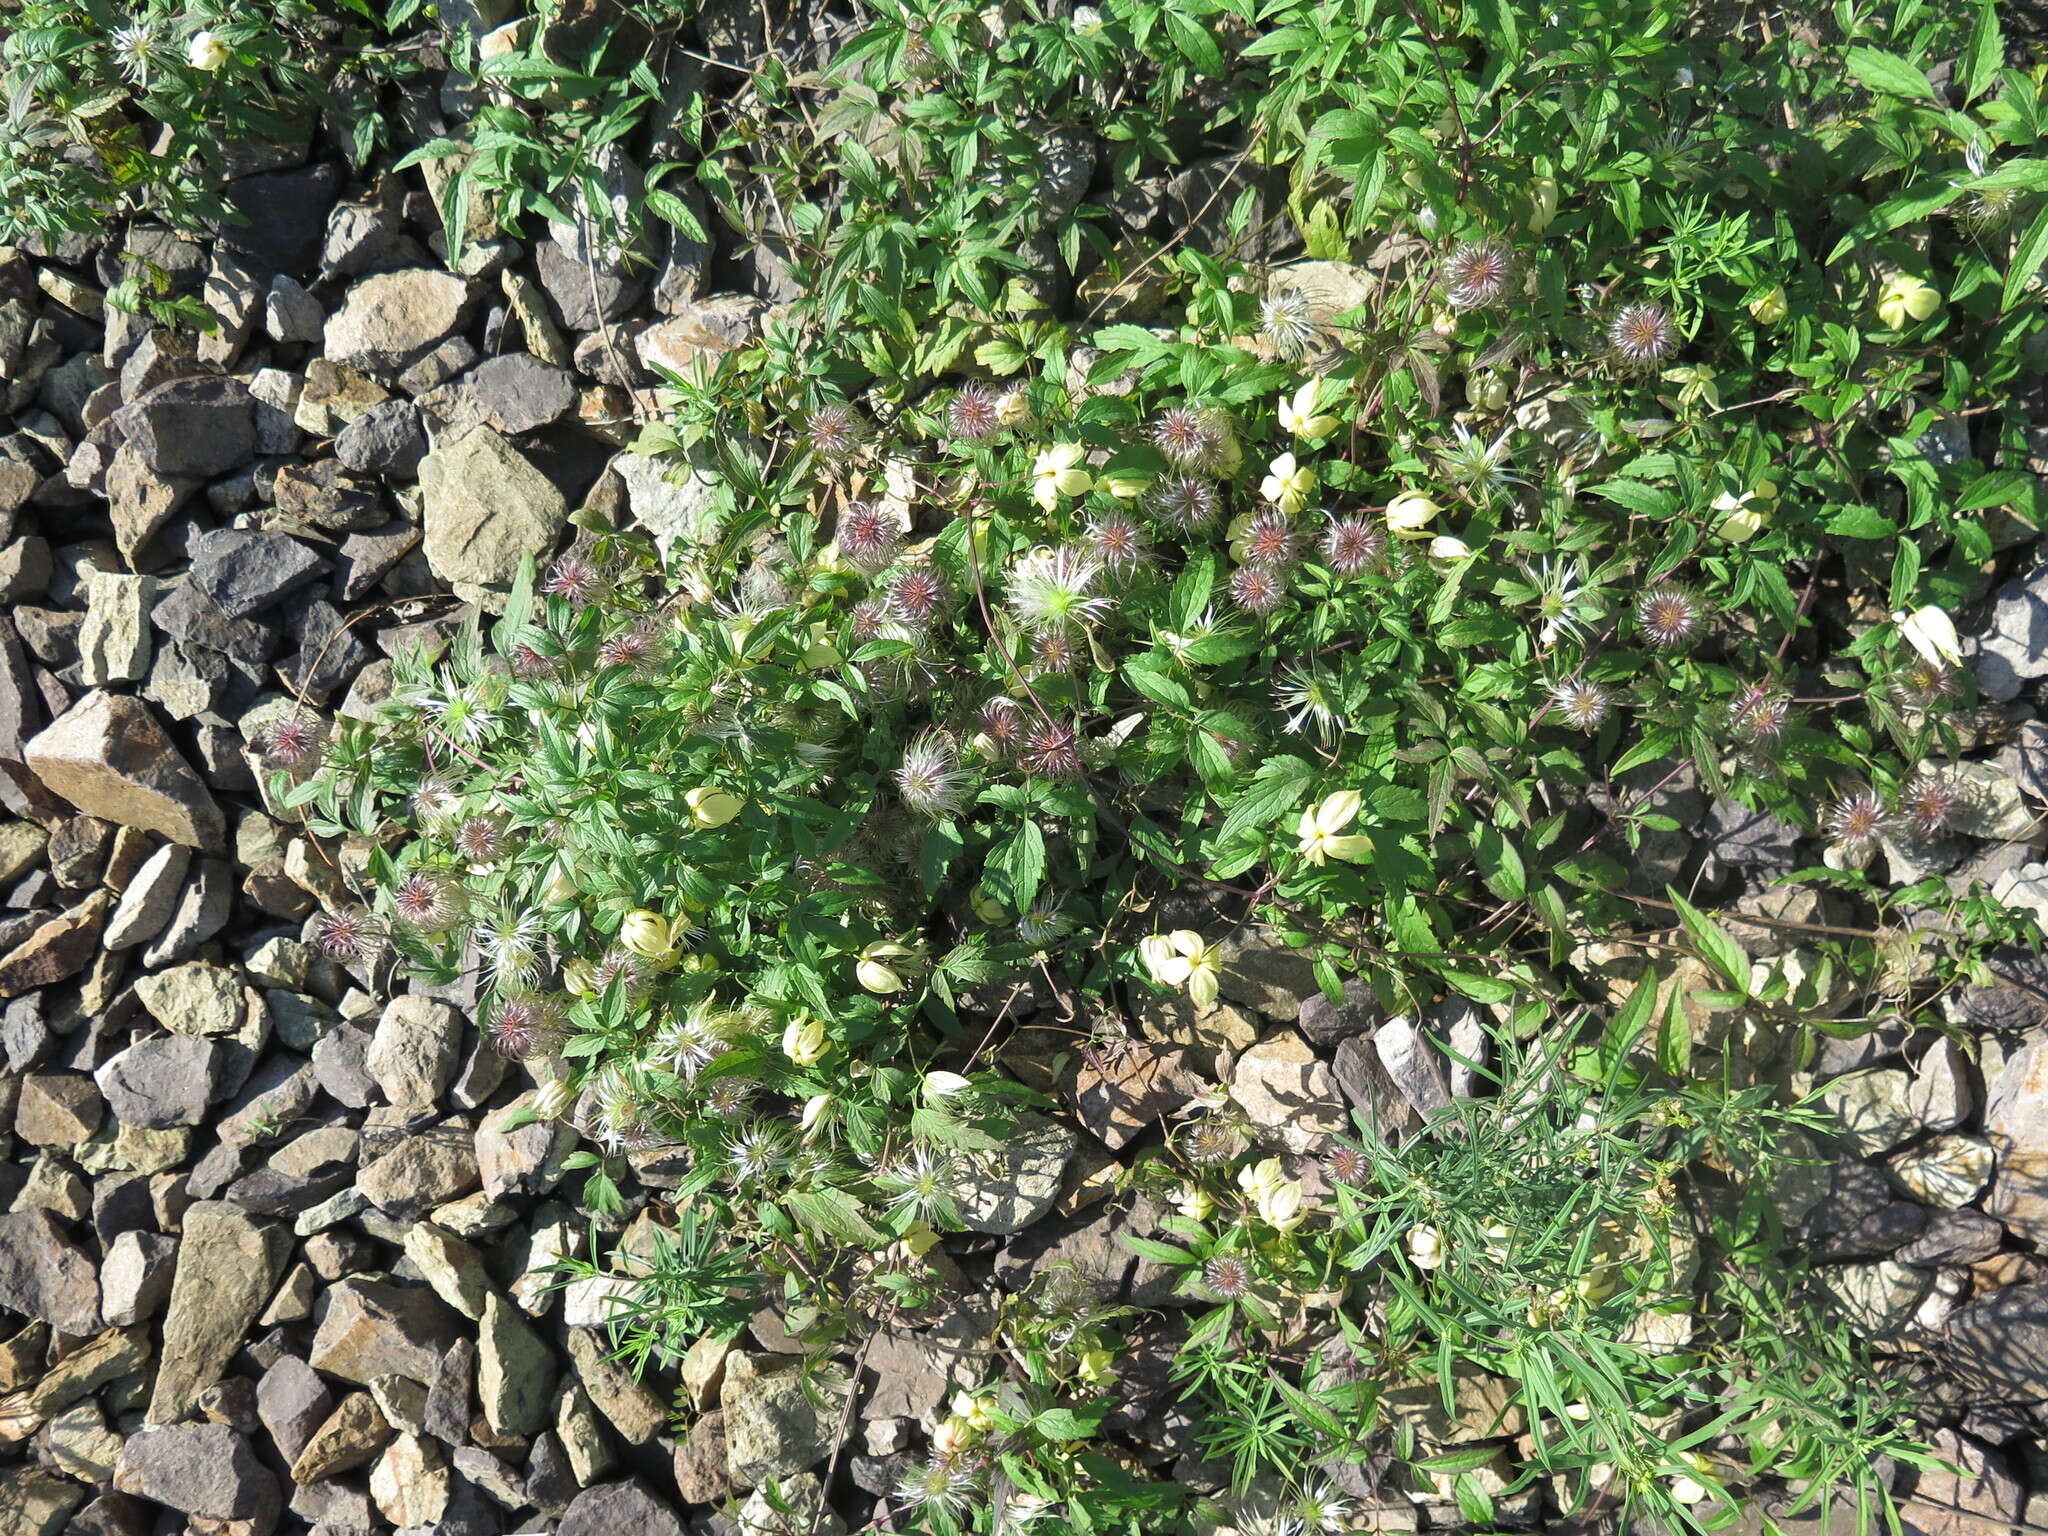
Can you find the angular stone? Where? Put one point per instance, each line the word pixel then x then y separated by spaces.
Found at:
pixel 414 1051
pixel 228 1265
pixel 57 949
pixel 44 1275
pixel 195 999
pixel 1413 1065
pixel 293 1402
pixel 772 1428
pixel 114 642
pixel 373 1329
pixel 520 393
pixel 452 1267
pixel 422 1171
pixel 1264 974
pixel 152 895
pixel 410 1482
pixel 1287 1091
pixel 1007 1190
pixel 635 1411
pixel 166 1081
pixel 300 1174
pixel 136 1278
pixel 1998 1344
pixel 108 756
pixel 2016 1125
pixel 515 1371
pixel 195 427
pixel 57 1109
pixel 486 507
pixel 1132 1087
pixel 391 318
pixel 1873 1108
pixel 204 1470
pixel 1948 1172
pixel 619 1509
pixel 349 1437
pixel 242 571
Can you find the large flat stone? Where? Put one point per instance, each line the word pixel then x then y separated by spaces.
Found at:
pixel 108 756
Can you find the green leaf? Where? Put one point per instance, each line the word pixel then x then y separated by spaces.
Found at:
pixel 2027 257
pixel 1500 864
pixel 1018 862
pixel 1716 945
pixel 1481 989
pixel 1274 790
pixel 1674 1038
pixel 1983 53
pixel 1888 74
pixel 1627 1025
pixel 1453 1462
pixel 1194 40
pixel 1638 497
pixel 832 1213
pixel 1069 1423
pixel 1861 523
pixel 1995 488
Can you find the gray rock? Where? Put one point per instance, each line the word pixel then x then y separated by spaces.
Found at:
pixel 523 1161
pixel 243 572
pixel 1007 1190
pixel 1370 1089
pixel 45 1275
pixel 228 1266
pixel 2012 648
pixel 413 1054
pixel 1954 1237
pixel 392 318
pixel 299 1174
pixel 108 756
pixel 1413 1065
pixel 619 1509
pixel 1740 838
pixel 520 393
pixel 584 295
pixel 35 1501
pixel 672 501
pixel 2016 997
pixel 1998 1345
pixel 204 1470
pixel 486 507
pixel 2016 1124
pixel 1878 1300
pixel 1288 1093
pixel 165 1081
pixel 202 911
pixel 422 1171
pixel 136 1278
pixel 195 427
pixel 1874 1109
pixel 290 314
pixel 152 895
pixel 1325 1023
pixel 515 1371
pixel 387 439
pixel 772 1427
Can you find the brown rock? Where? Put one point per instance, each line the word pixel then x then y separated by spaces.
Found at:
pixel 700 1462
pixel 355 1432
pixel 59 949
pixel 228 1266
pixel 108 756
pixel 57 1109
pixel 373 1329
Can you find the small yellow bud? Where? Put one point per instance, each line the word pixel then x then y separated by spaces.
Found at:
pixel 1411 512
pixel 1904 300
pixel 815 1110
pixel 711 808
pixel 1770 307
pixel 804 1042
pixel 206 51
pixel 645 934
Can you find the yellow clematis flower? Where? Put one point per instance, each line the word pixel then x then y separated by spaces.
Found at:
pixel 1299 414
pixel 1411 512
pixel 1904 300
pixel 1932 633
pixel 712 807
pixel 1057 472
pixel 645 934
pixel 1769 308
pixel 1320 825
pixel 1288 485
pixel 1182 959
pixel 804 1042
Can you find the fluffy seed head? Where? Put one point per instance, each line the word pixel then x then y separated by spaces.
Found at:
pixel 930 778
pixel 1924 684
pixel 1052 750
pixel 1052 650
pixel 1228 1276
pixel 347 933
pixel 1759 714
pixel 1582 705
pixel 523 1026
pixel 1208 1142
pixel 1930 801
pixel 1287 323
pixel 917 595
pixel 1119 541
pixel 727 1097
pixel 1669 616
pixel 1352 545
pixel 1003 723
pixel 1857 819
pixel 427 901
pixel 835 432
pixel 1271 540
pixel 639 646
pixel 870 619
pixel 528 665
pixel 1347 1165
pixel 1055 588
pixel 1258 589
pixel 480 839
pixel 1186 434
pixel 576 579
pixel 868 536
pixel 975 412
pixel 1477 273
pixel 294 742
pixel 510 946
pixel 1185 501
pixel 757 1151
pixel 1641 335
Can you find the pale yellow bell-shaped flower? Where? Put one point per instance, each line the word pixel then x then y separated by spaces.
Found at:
pixel 1320 825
